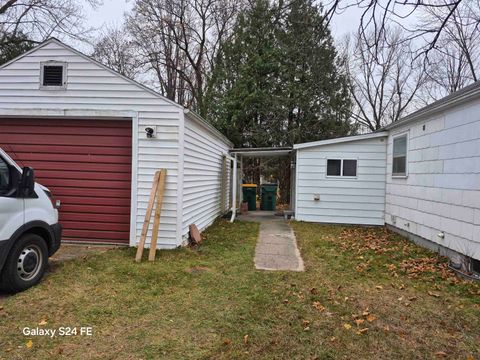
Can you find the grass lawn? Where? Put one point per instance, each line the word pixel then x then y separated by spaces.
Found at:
pixel 366 293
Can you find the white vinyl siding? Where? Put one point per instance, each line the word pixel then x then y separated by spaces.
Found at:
pixel 203 163
pixel 343 199
pixel 93 88
pixel 442 191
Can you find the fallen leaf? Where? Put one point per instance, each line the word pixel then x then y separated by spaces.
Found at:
pixel 361 331
pixel 245 339
pixel 306 323
pixel 440 354
pixel 371 318
pixel 347 326
pixel 386 328
pixel 359 322
pixel 400 298
pixel 366 312
pixel 29 344
pixel 307 328
pixel 333 338
pixel 379 287
pixel 227 342
pixel 313 291
pixel 434 295
pixel 43 322
pixel 470 357
pixel 318 306
pixel 285 301
pixel 1 308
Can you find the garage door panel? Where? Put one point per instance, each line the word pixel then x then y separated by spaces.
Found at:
pixel 86 164
pixel 89 167
pixel 64 130
pixel 95 235
pixel 61 149
pixel 83 175
pixel 114 193
pixel 93 209
pixel 87 200
pixel 99 159
pixel 108 218
pixel 94 184
pixel 103 226
pixel 64 140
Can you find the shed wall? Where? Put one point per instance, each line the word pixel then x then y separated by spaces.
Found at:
pixel 359 200
pixel 442 190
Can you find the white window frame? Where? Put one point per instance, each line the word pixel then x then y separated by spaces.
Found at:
pixel 64 75
pixel 341 169
pixel 398 175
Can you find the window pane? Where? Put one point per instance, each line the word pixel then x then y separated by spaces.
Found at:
pixel 333 167
pixel 349 167
pixel 400 146
pixel 4 176
pixel 399 165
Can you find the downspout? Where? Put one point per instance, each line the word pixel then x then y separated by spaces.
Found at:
pixel 234 189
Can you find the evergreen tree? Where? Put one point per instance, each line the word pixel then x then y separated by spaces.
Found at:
pixel 276 81
pixel 15 45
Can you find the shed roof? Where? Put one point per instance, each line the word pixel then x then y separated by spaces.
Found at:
pixel 262 152
pixel 341 140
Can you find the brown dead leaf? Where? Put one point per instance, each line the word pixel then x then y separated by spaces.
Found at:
pixel 313 291
pixel 379 287
pixel 245 339
pixel 227 342
pixel 362 331
pixel 29 344
pixel 359 321
pixel 318 306
pixel 371 318
pixel 333 339
pixel 43 322
pixel 285 301
pixel 440 354
pixel 433 294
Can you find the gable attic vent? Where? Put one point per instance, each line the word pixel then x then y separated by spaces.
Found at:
pixel 53 75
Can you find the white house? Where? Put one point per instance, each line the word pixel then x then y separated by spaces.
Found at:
pixel 420 176
pixel 83 128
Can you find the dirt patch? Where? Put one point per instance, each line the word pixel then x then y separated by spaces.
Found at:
pixel 69 252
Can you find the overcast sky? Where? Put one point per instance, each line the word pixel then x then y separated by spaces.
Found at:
pixel 111 13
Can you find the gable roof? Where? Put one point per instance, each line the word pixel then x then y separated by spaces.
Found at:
pixel 468 93
pixel 53 40
pixel 341 140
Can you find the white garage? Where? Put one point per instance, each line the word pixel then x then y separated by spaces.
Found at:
pixel 84 127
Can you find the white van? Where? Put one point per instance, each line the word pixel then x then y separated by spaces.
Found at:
pixel 29 228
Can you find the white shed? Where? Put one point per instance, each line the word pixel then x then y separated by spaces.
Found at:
pixel 342 180
pixel 82 126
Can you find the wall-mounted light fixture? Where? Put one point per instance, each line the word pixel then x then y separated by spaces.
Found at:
pixel 151 132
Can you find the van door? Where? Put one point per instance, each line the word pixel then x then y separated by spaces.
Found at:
pixel 11 207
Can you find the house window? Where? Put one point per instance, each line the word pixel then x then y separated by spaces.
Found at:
pixel 399 162
pixel 341 167
pixel 53 75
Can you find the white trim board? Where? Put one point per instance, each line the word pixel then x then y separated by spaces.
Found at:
pixel 341 140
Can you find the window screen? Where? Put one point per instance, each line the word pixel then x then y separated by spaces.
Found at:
pixel 334 167
pixel 349 167
pixel 53 75
pixel 399 163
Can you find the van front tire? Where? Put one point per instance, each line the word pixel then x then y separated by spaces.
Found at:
pixel 25 265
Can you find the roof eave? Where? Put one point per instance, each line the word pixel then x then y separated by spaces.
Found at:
pixel 341 140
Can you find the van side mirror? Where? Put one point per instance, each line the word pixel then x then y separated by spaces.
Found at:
pixel 27 183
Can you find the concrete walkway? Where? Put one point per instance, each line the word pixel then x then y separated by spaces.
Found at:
pixel 276 245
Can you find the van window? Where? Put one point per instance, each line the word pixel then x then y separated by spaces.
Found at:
pixel 4 177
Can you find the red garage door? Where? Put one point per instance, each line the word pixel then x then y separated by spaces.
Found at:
pixel 86 164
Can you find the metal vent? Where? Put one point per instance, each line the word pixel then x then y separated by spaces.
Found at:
pixel 53 75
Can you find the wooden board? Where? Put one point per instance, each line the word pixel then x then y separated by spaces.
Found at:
pixel 156 221
pixel 148 214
